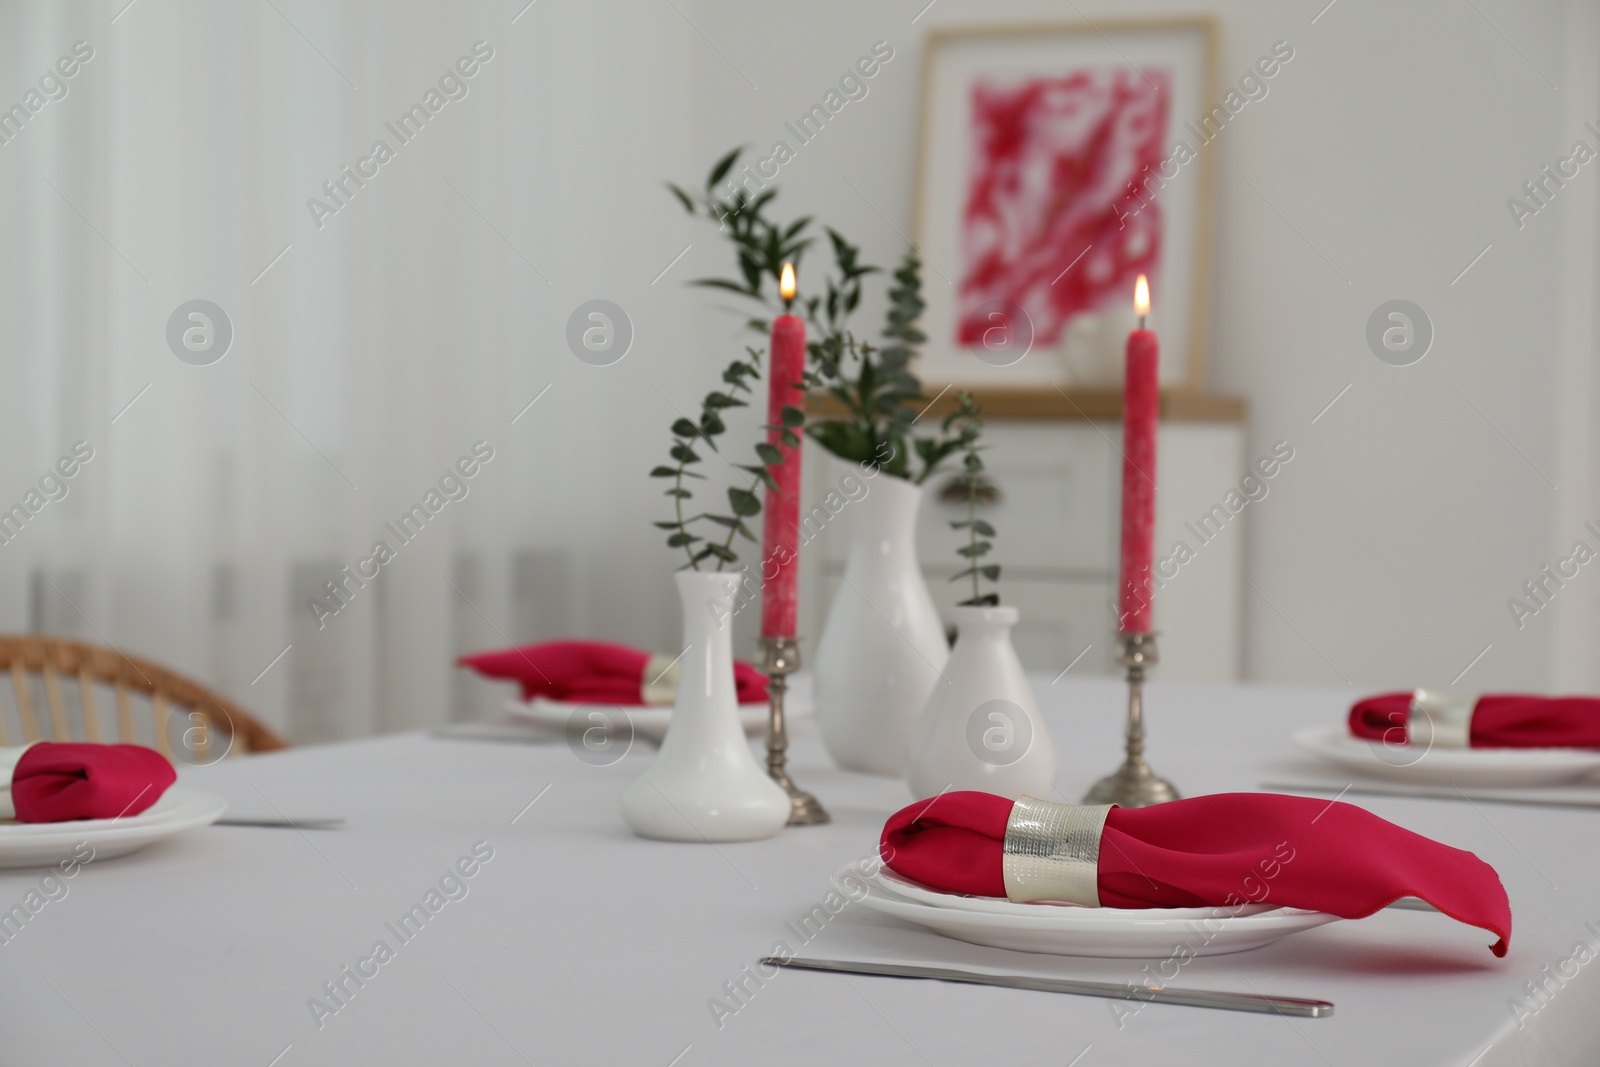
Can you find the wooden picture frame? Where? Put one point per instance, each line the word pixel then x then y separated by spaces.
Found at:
pixel 980 84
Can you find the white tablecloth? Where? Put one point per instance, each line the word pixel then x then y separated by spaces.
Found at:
pixel 579 944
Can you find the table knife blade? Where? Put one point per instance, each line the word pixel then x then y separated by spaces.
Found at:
pixel 1442 793
pixel 1194 998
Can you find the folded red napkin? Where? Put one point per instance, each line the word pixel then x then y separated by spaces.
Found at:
pixel 55 782
pixel 1228 849
pixel 1505 720
pixel 593 672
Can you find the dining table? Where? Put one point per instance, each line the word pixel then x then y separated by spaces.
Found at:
pixel 483 902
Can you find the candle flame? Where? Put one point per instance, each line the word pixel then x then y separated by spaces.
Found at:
pixel 786 287
pixel 1141 296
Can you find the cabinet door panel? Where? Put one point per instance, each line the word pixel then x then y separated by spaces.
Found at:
pixel 1055 492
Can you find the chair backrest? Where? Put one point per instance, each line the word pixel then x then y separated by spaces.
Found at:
pixel 187 722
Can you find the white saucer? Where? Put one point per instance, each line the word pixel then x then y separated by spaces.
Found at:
pixel 44 844
pixel 651 720
pixel 901 886
pixel 1110 933
pixel 1449 766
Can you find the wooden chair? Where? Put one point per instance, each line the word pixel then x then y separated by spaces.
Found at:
pixel 206 720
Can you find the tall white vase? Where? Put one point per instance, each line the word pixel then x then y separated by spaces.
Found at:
pixel 983 731
pixel 882 647
pixel 704 784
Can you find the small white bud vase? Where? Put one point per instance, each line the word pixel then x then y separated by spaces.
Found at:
pixel 983 731
pixel 705 784
pixel 883 646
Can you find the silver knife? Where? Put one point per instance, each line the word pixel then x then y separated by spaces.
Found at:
pixel 1422 793
pixel 1194 998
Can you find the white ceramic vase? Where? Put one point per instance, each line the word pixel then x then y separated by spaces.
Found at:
pixel 883 647
pixel 983 731
pixel 1093 347
pixel 705 784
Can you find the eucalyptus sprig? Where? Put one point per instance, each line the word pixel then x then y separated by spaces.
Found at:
pixel 875 384
pixel 742 502
pixel 964 427
pixel 761 246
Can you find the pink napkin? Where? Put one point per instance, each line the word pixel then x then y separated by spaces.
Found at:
pixel 57 782
pixel 590 672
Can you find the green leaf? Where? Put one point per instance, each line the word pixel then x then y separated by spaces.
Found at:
pixel 681 494
pixel 685 428
pixel 982 528
pixel 898 465
pixel 743 501
pixel 678 540
pixel 668 525
pixel 973 551
pixel 847 440
pixel 727 555
pixel 760 201
pixel 769 453
pixel 987 600
pixel 793 416
pixel 684 454
pixel 750 267
pixel 663 472
pixel 991 571
pixel 711 424
pixel 683 198
pixel 744 531
pixel 722 166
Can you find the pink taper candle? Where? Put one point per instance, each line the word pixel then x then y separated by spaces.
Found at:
pixel 780 550
pixel 1141 409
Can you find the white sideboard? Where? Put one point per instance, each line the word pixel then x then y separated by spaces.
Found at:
pixel 1059 483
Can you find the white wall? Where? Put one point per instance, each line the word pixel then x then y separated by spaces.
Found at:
pixel 1390 144
pixel 417 320
pixel 410 325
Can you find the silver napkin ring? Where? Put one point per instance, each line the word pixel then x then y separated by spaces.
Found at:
pixel 1441 718
pixel 9 758
pixel 1052 851
pixel 659 683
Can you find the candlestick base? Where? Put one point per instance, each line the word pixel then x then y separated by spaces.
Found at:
pixel 1134 784
pixel 780 657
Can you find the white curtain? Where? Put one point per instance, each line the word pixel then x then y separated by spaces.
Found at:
pixel 370 353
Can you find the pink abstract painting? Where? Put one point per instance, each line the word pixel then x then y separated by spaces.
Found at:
pixel 1058 166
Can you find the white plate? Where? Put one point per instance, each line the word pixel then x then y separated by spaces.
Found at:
pixel 648 719
pixel 1109 933
pixel 901 886
pixel 1449 766
pixel 45 844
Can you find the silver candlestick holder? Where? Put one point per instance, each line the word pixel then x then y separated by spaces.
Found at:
pixel 780 657
pixel 1134 784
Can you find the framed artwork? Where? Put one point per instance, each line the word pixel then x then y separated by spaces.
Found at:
pixel 1058 163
